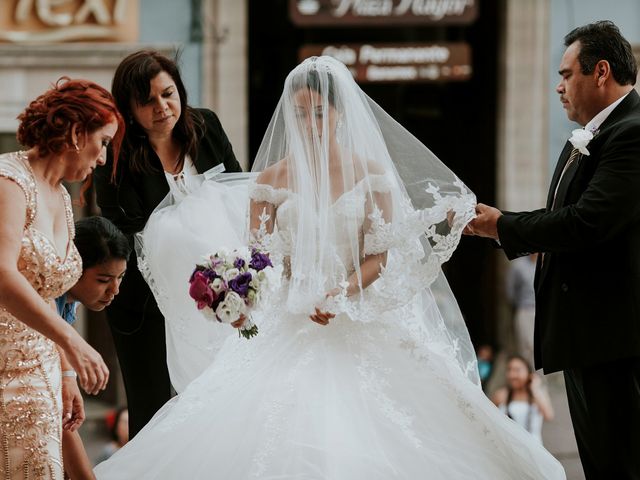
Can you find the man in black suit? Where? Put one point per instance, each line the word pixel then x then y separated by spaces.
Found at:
pixel 588 276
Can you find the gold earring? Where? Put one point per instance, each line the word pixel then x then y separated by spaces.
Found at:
pixel 76 147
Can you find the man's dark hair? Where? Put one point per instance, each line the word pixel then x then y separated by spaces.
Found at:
pixel 603 41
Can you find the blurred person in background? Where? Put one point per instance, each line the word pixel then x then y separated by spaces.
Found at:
pixel 524 399
pixel 485 356
pixel 522 298
pixel 117 422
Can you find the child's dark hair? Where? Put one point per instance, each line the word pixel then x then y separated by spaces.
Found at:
pixel 98 241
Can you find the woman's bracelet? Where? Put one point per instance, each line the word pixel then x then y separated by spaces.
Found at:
pixel 69 373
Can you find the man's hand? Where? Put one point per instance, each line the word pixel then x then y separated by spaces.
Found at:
pixel 486 222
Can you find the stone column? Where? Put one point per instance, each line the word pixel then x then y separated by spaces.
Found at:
pixel 522 143
pixel 225 69
pixel 522 106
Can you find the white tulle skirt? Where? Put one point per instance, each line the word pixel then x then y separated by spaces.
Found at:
pixel 176 237
pixel 346 401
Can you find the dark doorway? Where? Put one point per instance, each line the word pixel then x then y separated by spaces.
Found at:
pixel 457 121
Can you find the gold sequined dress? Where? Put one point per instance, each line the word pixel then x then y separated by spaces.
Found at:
pixel 30 377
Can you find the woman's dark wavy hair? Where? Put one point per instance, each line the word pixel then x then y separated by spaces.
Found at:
pixel 131 83
pixel 603 41
pixel 98 241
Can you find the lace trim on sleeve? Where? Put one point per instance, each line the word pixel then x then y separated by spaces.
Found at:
pixel 261 192
pixel 380 237
pixel 13 169
pixel 380 183
pixel 415 268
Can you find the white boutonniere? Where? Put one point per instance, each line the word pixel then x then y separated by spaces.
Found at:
pixel 580 138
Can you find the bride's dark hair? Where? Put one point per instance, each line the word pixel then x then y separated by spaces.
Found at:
pixel 313 81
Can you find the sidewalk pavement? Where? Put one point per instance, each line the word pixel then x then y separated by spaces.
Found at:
pixel 557 435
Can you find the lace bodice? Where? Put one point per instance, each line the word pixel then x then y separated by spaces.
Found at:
pixel 348 209
pixel 50 274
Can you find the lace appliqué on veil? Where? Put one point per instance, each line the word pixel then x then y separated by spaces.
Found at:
pixel 416 247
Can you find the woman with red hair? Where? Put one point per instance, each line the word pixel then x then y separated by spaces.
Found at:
pixel 66 130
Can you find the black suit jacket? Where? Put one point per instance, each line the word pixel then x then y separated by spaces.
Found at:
pixel 588 280
pixel 130 201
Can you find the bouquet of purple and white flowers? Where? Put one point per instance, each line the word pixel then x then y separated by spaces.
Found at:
pixel 229 284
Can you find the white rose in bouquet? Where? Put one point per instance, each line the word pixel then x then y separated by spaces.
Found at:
pixel 230 308
pixel 230 274
pixel 218 285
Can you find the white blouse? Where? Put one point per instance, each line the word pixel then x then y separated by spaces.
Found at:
pixel 519 411
pixel 181 184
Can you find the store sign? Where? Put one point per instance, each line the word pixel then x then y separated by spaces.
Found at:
pixel 312 13
pixel 399 63
pixel 40 21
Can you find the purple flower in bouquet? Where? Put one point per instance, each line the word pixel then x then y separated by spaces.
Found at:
pixel 239 263
pixel 259 261
pixel 210 274
pixel 199 290
pixel 215 261
pixel 240 284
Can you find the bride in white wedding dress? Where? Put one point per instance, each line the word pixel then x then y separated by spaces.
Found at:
pixel 363 368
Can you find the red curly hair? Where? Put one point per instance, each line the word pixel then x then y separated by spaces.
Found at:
pixel 48 120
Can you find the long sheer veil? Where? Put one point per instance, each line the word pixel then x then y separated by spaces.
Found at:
pixel 353 206
pixel 345 189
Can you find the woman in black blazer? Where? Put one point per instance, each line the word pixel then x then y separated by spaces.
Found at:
pixel 164 138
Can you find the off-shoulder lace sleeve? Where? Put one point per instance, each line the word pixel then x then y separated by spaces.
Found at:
pixel 380 183
pixel 13 167
pixel 380 237
pixel 262 192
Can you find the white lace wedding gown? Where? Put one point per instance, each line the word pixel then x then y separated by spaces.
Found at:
pixel 350 401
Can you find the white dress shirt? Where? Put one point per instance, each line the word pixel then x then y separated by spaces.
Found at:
pixel 595 122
